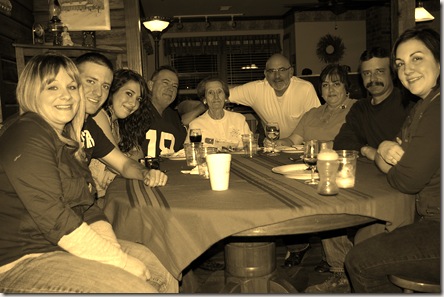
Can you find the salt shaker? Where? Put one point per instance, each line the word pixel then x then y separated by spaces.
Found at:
pixel 327 166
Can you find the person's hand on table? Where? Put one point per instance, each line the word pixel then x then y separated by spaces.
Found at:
pixel 137 268
pixel 390 151
pixel 282 142
pixel 267 143
pixel 154 178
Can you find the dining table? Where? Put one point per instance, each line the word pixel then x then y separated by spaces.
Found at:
pixel 184 218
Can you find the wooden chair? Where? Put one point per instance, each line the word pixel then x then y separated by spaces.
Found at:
pixel 410 285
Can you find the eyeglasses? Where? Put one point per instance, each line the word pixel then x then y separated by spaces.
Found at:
pixel 279 70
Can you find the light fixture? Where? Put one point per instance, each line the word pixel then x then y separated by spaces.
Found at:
pixel 179 25
pixel 232 23
pixel 197 16
pixel 421 14
pixel 156 24
pixel 5 7
pixel 207 23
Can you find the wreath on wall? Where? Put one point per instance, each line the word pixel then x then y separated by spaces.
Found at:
pixel 330 49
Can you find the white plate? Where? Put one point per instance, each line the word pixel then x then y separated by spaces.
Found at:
pixel 290 149
pixel 299 147
pixel 175 158
pixel 294 171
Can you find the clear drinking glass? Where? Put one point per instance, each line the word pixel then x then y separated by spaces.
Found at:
pixel 310 157
pixel 272 132
pixel 195 135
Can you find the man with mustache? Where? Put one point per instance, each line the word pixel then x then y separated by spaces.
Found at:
pixel 370 121
pixel 378 117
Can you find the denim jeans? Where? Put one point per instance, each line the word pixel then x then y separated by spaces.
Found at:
pixel 337 247
pixel 61 272
pixel 412 251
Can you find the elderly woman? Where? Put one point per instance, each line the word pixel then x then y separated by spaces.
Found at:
pixel 220 127
pixel 412 163
pixel 53 236
pixel 325 121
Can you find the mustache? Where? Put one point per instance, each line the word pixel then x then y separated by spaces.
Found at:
pixel 374 83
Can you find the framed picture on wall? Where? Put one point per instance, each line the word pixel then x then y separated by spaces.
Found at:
pixel 91 15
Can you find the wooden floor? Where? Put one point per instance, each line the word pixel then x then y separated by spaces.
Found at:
pixel 300 276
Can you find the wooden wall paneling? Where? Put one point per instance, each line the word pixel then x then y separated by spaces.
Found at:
pixel 133 36
pixel 2 100
pixel 14 28
pixel 6 49
pixel 403 17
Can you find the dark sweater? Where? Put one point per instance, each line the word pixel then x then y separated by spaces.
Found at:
pixel 419 170
pixel 368 124
pixel 45 192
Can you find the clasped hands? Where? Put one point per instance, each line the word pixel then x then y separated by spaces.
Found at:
pixel 391 151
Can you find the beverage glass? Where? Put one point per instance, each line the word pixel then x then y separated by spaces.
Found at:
pixel 272 132
pixel 311 150
pixel 219 169
pixel 325 144
pixel 203 166
pixel 195 135
pixel 192 151
pixel 250 144
pixel 347 168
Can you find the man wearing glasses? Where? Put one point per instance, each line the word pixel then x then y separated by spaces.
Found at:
pixel 282 98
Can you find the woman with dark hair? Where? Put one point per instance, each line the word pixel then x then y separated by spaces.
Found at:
pixel 324 122
pixel 220 127
pixel 123 121
pixel 412 163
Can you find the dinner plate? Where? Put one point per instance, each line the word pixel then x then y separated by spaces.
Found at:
pixel 288 149
pixel 175 158
pixel 294 171
pixel 299 147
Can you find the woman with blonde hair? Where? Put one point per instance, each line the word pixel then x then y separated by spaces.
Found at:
pixel 53 236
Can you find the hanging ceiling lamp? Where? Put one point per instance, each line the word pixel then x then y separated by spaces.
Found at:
pixel 421 14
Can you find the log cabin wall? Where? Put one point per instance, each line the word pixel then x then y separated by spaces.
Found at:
pixel 17 28
pixel 14 27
